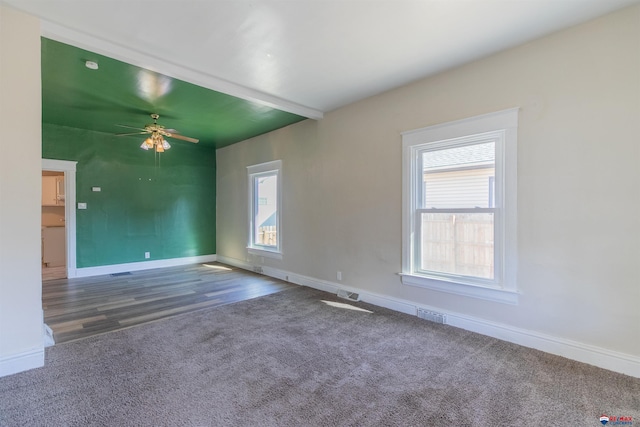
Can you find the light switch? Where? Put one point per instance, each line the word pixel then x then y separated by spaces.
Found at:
pixel 82 206
pixel 96 189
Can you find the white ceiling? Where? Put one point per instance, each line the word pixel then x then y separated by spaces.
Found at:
pixel 305 56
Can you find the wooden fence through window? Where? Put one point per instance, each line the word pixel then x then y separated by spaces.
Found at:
pixel 456 243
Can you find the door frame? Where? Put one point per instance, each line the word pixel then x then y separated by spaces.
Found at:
pixel 69 169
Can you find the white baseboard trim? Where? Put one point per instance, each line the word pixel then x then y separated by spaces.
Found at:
pixel 603 358
pixel 48 336
pixel 20 362
pixel 234 262
pixel 144 265
pixel 581 352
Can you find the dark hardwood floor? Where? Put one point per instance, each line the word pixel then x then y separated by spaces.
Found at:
pixel 78 308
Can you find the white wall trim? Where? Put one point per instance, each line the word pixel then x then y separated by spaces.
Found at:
pixel 66 35
pixel 21 362
pixel 586 353
pixel 467 125
pixel 69 169
pixel 254 173
pixel 459 288
pixel 143 265
pixel 601 357
pixel 500 127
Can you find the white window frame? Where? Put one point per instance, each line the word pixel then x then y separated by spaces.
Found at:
pixel 255 172
pixel 502 127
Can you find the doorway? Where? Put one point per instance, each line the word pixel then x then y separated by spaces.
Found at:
pixel 53 226
pixel 58 218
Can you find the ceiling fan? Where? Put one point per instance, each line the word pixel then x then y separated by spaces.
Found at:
pixel 156 141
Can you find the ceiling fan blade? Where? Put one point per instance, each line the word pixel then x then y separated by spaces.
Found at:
pixel 131 127
pixel 183 138
pixel 134 133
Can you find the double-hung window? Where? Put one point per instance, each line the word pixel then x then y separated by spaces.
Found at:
pixel 459 207
pixel 265 201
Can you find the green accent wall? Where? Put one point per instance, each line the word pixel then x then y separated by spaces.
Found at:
pixel 165 205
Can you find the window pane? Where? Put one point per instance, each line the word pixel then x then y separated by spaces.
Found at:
pixel 459 177
pixel 460 244
pixel 266 210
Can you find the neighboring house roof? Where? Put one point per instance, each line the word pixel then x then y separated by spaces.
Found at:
pixel 271 221
pixel 468 155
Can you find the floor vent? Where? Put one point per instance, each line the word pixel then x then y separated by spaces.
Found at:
pixel 351 296
pixel 432 316
pixel 125 273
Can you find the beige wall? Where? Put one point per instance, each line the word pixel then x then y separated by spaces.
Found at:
pixel 578 183
pixel 21 338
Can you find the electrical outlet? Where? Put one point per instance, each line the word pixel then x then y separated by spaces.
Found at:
pixel 147 255
pixel 339 275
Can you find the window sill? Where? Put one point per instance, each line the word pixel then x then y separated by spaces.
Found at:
pixel 264 252
pixel 474 291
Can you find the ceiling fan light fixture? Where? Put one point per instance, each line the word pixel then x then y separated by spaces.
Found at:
pixel 147 144
pixel 157 132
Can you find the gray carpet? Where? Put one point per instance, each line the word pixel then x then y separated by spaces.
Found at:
pixel 290 359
